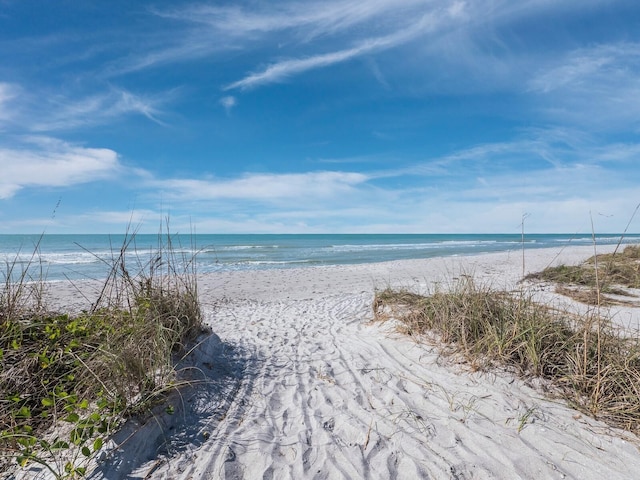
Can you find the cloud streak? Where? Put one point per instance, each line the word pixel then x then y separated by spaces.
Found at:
pixel 310 19
pixel 38 111
pixel 264 187
pixel 287 68
pixel 62 113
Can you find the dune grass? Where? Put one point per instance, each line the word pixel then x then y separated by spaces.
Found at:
pixel 68 379
pixel 585 359
pixel 598 278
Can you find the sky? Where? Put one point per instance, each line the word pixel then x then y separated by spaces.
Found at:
pixel 331 116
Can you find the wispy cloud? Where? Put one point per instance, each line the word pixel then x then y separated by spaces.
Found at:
pixel 48 162
pixel 593 86
pixel 455 32
pixel 33 110
pixel 8 94
pixel 63 113
pixel 317 34
pixel 579 68
pixel 205 30
pixel 192 45
pixel 264 187
pixel 542 166
pixel 309 18
pixel 287 68
pixel 228 102
pixel 558 198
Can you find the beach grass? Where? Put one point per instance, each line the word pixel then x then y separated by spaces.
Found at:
pixel 583 357
pixel 68 379
pixel 599 280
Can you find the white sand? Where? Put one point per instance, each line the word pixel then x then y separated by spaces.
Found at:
pixel 300 384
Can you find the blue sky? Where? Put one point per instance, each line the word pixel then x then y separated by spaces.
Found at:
pixel 376 116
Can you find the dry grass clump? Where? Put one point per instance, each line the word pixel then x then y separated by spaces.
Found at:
pixel 591 364
pixel 595 280
pixel 83 373
pixel 619 268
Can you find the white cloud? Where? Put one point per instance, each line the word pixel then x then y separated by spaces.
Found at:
pixel 573 73
pixel 310 19
pixel 228 103
pixel 48 162
pixel 559 200
pixel 8 190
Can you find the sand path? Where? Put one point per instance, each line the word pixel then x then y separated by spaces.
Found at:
pixel 301 384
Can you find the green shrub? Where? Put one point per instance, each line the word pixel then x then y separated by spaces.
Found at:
pixel 67 380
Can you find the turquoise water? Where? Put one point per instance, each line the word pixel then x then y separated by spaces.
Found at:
pixel 89 256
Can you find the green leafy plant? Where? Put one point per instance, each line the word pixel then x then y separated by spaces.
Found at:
pixel 69 379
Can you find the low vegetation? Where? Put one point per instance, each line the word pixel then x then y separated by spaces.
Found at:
pixel 600 280
pixel 587 361
pixel 68 379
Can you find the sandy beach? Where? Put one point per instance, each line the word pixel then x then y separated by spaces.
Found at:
pixel 298 382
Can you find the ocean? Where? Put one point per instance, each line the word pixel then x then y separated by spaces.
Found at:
pixel 90 256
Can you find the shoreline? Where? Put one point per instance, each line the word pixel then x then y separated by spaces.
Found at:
pixel 500 269
pixel 79 257
pixel 299 383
